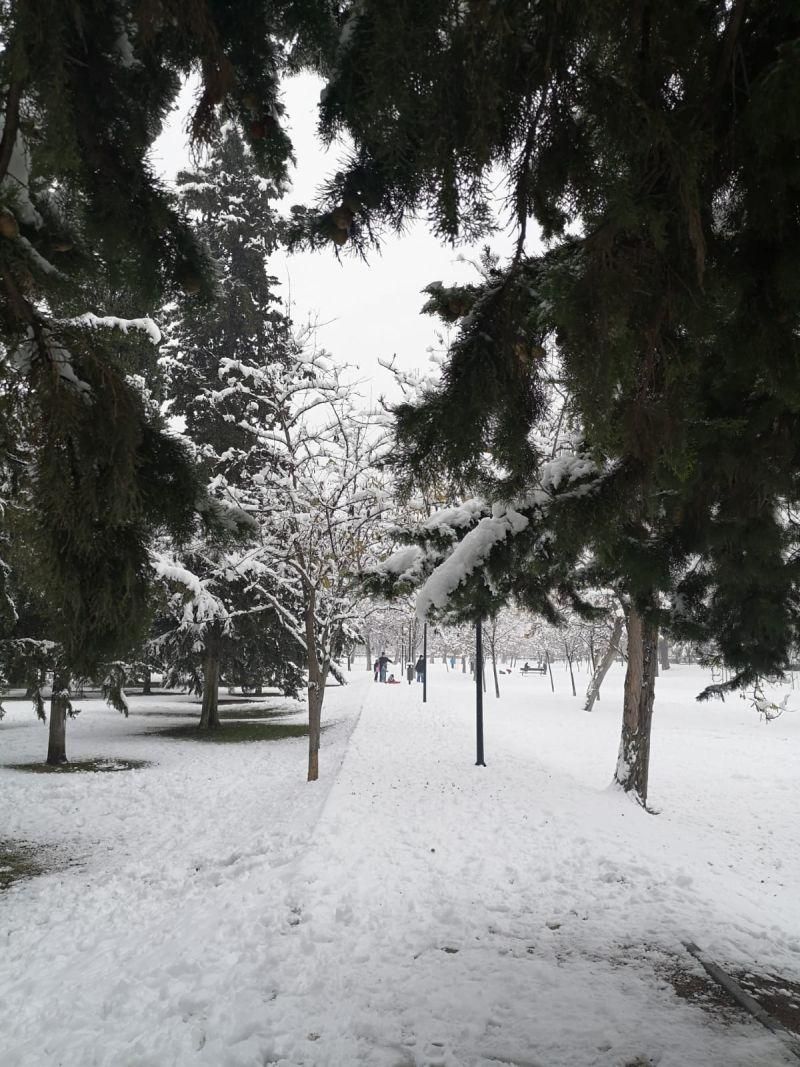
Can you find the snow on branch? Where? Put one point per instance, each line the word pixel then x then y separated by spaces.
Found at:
pixel 146 325
pixel 467 556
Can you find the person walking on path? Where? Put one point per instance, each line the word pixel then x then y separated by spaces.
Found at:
pixel 383 663
pixel 419 667
pixel 410 673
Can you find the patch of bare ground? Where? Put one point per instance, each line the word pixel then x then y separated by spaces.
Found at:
pixel 22 860
pixel 779 997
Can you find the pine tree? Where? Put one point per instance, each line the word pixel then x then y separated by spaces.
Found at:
pixel 652 145
pixel 86 86
pixel 220 362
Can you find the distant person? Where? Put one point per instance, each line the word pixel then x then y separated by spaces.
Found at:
pixel 375 669
pixel 383 665
pixel 452 663
pixel 410 673
pixel 525 666
pixel 419 667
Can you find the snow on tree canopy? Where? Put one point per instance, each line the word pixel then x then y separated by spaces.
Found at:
pixel 566 469
pixel 468 554
pixel 406 564
pixel 111 321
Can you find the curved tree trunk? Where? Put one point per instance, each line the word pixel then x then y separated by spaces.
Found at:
pixel 57 734
pixel 601 670
pixel 209 715
pixel 633 762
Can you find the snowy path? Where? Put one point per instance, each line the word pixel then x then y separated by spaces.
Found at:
pixel 411 909
pixel 454 915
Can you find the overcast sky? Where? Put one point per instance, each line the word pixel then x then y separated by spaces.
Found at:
pixel 370 310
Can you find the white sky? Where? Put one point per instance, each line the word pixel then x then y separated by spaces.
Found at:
pixel 369 310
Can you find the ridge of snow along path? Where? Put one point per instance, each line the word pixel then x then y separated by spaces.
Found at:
pixel 410 909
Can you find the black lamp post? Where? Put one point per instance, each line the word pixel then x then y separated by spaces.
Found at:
pixel 425 663
pixel 479 762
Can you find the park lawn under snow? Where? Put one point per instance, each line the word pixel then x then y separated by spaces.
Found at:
pixel 410 908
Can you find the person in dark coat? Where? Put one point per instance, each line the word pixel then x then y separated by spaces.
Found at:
pixel 410 673
pixel 419 667
pixel 383 663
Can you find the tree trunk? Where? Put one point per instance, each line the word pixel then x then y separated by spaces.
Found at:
pixel 463 664
pixel 663 653
pixel 549 667
pixel 316 693
pixel 368 653
pixel 57 735
pixel 601 670
pixel 209 714
pixel 571 675
pixel 633 762
pixel 316 687
pixel 493 651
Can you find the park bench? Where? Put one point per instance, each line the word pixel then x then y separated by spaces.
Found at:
pixel 534 670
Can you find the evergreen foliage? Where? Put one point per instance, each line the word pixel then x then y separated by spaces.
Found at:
pixel 656 147
pixel 86 226
pixel 221 362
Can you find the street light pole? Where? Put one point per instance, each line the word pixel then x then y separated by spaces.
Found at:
pixel 479 762
pixel 425 663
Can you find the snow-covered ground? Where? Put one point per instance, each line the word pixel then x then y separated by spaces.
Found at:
pixel 410 908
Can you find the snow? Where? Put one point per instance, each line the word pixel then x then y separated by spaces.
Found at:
pixel 467 555
pixel 566 468
pixel 449 520
pixel 405 564
pixel 146 325
pixel 409 908
pixel 18 179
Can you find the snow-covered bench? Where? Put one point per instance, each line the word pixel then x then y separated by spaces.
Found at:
pixel 534 670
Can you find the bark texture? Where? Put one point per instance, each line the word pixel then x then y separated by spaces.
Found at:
pixel 57 734
pixel 633 762
pixel 315 696
pixel 209 715
pixel 317 676
pixel 601 670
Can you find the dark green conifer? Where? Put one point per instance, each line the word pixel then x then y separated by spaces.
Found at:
pixel 219 362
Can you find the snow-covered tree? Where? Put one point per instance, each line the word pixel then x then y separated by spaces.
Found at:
pixel 322 514
pixel 222 362
pixel 94 476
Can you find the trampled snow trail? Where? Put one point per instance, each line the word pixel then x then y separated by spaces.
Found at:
pixel 450 915
pixel 410 909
